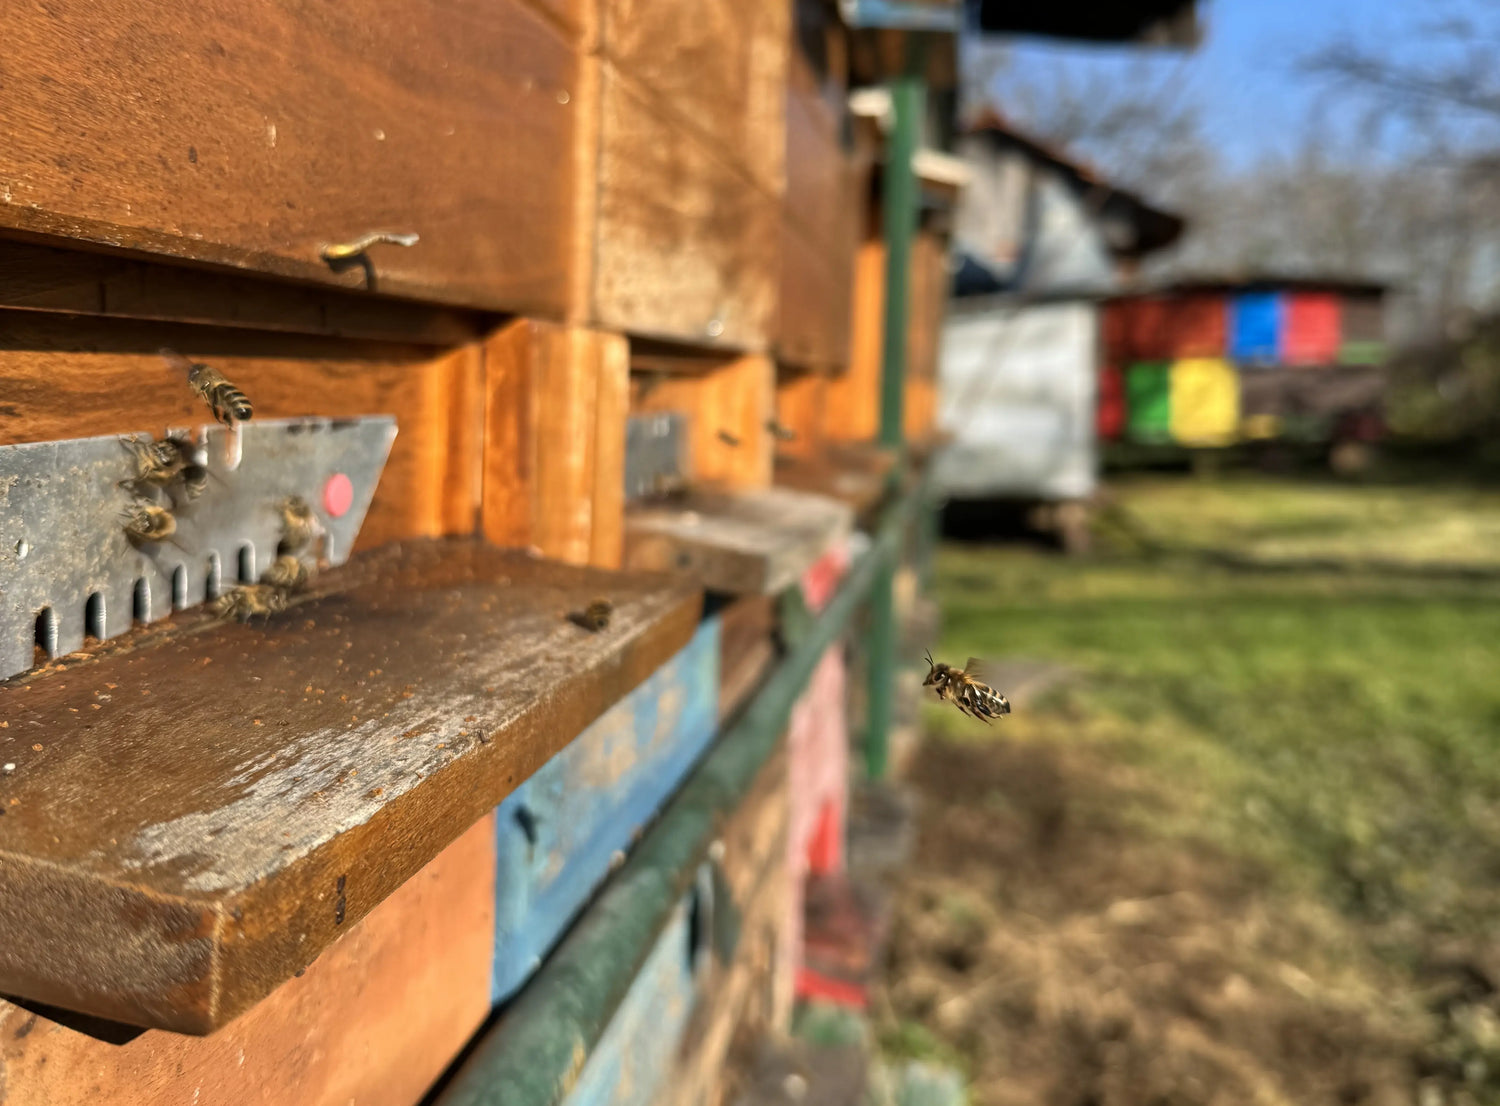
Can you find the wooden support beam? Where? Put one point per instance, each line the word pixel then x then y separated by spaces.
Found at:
pixel 554 456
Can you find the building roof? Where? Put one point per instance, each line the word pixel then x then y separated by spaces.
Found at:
pixel 1159 22
pixel 1343 284
pixel 1133 227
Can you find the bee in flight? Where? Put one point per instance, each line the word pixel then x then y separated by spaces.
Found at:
pixel 228 404
pixel 247 601
pixel 287 572
pixel 595 616
pixel 146 523
pixel 964 688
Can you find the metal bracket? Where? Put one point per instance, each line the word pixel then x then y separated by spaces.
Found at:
pixel 656 459
pixel 68 570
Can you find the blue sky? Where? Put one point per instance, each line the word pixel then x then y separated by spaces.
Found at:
pixel 1246 77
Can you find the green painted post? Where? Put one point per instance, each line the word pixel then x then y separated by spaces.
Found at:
pixel 899 222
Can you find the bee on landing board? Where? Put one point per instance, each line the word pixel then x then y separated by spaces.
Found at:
pixel 595 616
pixel 228 404
pixel 298 525
pixel 145 523
pixel 965 690
pixel 156 463
pixel 288 573
pixel 246 601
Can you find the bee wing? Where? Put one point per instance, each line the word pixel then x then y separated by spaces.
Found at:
pixel 175 360
pixel 974 669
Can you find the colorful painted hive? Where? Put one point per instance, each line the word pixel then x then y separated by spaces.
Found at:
pixel 1311 330
pixel 1148 391
pixel 1110 416
pixel 1363 338
pixel 1196 326
pixel 1255 322
pixel 1205 401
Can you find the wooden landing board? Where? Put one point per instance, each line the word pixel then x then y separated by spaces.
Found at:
pixel 856 477
pixel 374 1020
pixel 251 137
pixel 751 542
pixel 195 813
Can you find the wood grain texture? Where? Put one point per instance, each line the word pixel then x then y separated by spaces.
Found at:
pixel 252 137
pixel 854 396
pixel 801 406
pixel 65 377
pixel 752 994
pixel 267 786
pixel 78 282
pixel 729 407
pixel 718 65
pixel 748 542
pixel 554 456
pixel 747 648
pixel 686 245
pixel 373 1020
pixel 814 319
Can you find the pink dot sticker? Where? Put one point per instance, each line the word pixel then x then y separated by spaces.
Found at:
pixel 338 495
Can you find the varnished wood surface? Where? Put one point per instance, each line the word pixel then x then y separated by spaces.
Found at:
pixel 719 65
pixel 374 1020
pixel 66 377
pixel 854 396
pixel 190 822
pixel 748 542
pixel 250 136
pixel 686 244
pixel 801 408
pixel 554 467
pixel 729 408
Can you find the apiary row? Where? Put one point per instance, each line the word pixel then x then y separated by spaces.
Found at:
pixel 617 272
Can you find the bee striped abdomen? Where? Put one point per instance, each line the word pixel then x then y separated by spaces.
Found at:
pixel 228 403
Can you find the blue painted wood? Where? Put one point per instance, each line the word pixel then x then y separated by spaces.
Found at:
pixel 1255 321
pixel 633 1059
pixel 559 833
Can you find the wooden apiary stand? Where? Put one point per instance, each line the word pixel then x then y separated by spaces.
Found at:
pixel 307 859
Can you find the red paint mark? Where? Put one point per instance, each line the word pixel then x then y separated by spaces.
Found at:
pixel 338 495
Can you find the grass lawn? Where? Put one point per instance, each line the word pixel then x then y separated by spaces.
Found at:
pixel 1277 681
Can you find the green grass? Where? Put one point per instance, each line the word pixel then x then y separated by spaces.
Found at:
pixel 1341 728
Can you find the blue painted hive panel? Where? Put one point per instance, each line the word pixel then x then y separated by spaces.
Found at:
pixel 558 833
pixel 1255 321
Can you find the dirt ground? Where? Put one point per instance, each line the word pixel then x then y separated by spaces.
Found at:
pixel 1063 957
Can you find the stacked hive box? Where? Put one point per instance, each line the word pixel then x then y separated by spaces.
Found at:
pixel 1203 365
pixel 621 209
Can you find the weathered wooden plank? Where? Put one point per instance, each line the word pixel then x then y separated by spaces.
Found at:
pixel 752 993
pixel 554 456
pixel 813 324
pixel 720 65
pixel 560 832
pixel 686 245
pixel 65 377
pixel 215 133
pixel 373 1020
pixel 190 821
pixel 746 648
pixel 751 542
pixel 729 407
pixel 854 396
pixel 855 475
pixel 42 278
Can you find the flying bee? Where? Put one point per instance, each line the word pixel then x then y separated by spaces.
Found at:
pixel 595 616
pixel 964 688
pixel 733 441
pixel 298 524
pixel 228 404
pixel 287 572
pixel 146 523
pixel 781 432
pixel 246 601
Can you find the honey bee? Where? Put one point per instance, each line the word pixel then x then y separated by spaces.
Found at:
pixel 298 524
pixel 964 688
pixel 733 441
pixel 288 573
pixel 781 432
pixel 194 479
pixel 156 463
pixel 246 601
pixel 147 523
pixel 228 404
pixel 595 616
